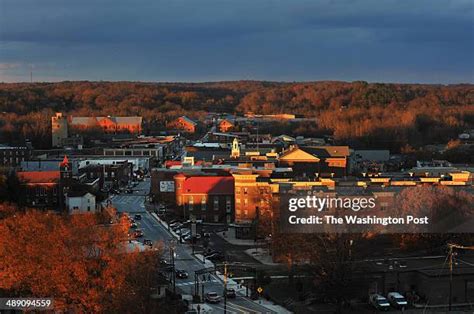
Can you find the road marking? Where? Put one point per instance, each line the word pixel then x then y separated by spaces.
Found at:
pixel 221 308
pixel 246 308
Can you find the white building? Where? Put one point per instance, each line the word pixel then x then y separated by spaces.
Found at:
pixel 81 202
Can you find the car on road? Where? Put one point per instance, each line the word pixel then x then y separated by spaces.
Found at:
pixel 137 217
pixel 129 191
pixel 181 274
pixel 177 227
pixel 148 242
pixel 175 224
pixel 183 232
pixel 138 233
pixel 133 225
pixel 397 300
pixel 379 302
pixel 212 297
pixel 230 293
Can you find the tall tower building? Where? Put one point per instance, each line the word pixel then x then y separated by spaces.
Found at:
pixel 235 152
pixel 58 129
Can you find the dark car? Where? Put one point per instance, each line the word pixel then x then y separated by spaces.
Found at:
pixel 137 217
pixel 230 293
pixel 148 242
pixel 133 225
pixel 181 274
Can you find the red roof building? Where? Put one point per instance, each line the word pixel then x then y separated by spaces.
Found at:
pixel 39 177
pixel 207 198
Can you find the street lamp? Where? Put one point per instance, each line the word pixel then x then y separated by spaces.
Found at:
pixel 172 246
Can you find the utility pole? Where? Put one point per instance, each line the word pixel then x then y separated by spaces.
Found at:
pixel 451 247
pixel 172 247
pixel 225 288
pixel 450 275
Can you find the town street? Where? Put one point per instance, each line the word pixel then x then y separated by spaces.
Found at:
pixel 134 203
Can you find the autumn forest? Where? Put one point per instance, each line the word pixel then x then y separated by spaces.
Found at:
pixel 360 114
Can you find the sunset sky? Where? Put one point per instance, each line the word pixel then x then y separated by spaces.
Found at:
pixel 426 41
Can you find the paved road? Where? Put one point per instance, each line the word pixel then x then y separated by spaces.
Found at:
pixel 135 203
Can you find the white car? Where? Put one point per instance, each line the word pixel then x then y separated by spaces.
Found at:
pixel 379 302
pixel 397 300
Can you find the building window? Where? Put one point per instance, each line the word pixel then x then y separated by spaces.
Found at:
pixel 246 202
pixel 191 202
pixel 203 203
pixel 216 202
pixel 216 218
pixel 246 190
pixel 237 200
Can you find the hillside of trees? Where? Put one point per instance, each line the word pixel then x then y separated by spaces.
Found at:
pixel 357 113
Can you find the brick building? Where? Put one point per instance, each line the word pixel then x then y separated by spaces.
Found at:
pixel 12 156
pixel 206 197
pixel 184 124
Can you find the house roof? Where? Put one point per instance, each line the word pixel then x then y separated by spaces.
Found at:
pixel 38 177
pixel 327 151
pixel 94 121
pixel 188 120
pixel 78 193
pixel 208 184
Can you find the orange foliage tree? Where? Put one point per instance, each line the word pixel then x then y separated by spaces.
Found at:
pixel 84 266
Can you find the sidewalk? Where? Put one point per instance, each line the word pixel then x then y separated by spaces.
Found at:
pixel 239 289
pixel 262 255
pixel 229 236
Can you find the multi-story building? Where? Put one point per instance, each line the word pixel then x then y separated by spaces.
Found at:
pixel 110 175
pixel 108 124
pixel 59 129
pixel 315 161
pixel 46 189
pixel 13 156
pixel 209 198
pixel 184 124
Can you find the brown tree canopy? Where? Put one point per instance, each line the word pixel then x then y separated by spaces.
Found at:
pixel 358 113
pixel 83 265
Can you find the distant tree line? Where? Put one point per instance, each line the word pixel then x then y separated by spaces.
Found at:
pixel 357 113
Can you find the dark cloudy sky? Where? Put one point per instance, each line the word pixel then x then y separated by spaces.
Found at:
pixel 206 40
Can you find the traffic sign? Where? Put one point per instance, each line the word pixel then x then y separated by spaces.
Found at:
pixel 259 289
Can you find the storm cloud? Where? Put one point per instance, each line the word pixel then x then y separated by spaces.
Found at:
pixel 191 40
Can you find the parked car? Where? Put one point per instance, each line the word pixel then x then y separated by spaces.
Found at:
pixel 181 274
pixel 212 297
pixel 230 293
pixel 138 233
pixel 184 231
pixel 133 225
pixel 176 224
pixel 176 227
pixel 137 217
pixel 379 302
pixel 148 242
pixel 397 300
